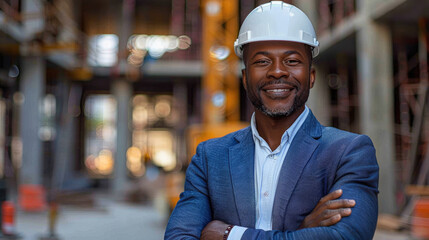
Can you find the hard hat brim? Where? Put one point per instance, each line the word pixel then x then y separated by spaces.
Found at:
pixel 238 48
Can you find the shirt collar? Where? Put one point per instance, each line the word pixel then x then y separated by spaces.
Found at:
pixel 288 135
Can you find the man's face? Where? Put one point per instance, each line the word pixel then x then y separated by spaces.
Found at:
pixel 278 76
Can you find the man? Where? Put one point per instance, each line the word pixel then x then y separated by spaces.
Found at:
pixel 285 176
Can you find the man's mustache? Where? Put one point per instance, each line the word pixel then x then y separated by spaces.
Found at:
pixel 278 81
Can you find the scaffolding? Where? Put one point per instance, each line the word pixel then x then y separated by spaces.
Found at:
pixel 333 12
pixel 412 85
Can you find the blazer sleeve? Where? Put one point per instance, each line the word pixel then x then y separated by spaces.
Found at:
pixel 192 212
pixel 357 175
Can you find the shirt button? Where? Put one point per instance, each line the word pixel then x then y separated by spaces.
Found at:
pixel 266 194
pixel 275 157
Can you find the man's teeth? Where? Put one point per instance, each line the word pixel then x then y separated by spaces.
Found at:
pixel 278 90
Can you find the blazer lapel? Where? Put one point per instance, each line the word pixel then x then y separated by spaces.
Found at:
pixel 298 155
pixel 241 159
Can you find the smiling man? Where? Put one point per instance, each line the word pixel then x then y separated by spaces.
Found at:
pixel 286 176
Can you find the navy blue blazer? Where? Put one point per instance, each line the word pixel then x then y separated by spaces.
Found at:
pixel 220 185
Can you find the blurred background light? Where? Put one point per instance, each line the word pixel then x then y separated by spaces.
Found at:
pixel 18 98
pixel 100 134
pixel 134 154
pixel 218 99
pixel 162 108
pixel 184 42
pixel 103 50
pixel 140 116
pixel 212 8
pixel 161 146
pixel 219 52
pixel 13 71
pixel 165 159
pixel 155 45
pixel 334 81
pixel 134 161
pixel 46 133
pixel 90 163
pixel 104 162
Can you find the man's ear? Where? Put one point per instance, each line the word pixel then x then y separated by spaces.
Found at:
pixel 312 76
pixel 244 77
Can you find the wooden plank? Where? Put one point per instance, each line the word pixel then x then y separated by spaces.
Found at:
pixel 417 190
pixel 389 222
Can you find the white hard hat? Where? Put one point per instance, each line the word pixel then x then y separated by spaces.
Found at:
pixel 276 21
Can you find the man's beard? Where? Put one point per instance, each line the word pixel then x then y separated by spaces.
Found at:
pixel 298 102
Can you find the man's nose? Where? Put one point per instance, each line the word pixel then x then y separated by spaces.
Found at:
pixel 278 70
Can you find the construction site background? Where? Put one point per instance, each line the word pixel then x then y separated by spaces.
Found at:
pixel 102 104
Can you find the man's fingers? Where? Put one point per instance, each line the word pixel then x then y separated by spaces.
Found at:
pixel 344 212
pixel 329 210
pixel 326 218
pixel 331 196
pixel 334 216
pixel 331 201
pixel 340 203
pixel 331 221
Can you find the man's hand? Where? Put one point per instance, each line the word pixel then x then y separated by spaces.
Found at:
pixel 214 230
pixel 329 211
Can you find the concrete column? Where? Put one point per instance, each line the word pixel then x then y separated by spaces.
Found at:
pixel 33 88
pixel 180 109
pixel 319 94
pixel 32 25
pixel 122 90
pixel 65 158
pixel 375 76
pixel 68 97
pixel 319 97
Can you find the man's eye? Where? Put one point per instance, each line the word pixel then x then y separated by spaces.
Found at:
pixel 262 61
pixel 292 62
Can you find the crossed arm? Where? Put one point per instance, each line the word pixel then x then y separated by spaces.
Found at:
pixel 329 211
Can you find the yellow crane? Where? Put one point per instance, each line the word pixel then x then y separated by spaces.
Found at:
pixel 220 83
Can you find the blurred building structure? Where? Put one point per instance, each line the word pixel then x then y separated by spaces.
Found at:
pixel 104 93
pixel 372 73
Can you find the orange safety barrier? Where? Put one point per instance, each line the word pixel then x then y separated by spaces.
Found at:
pixel 32 197
pixel 8 218
pixel 420 222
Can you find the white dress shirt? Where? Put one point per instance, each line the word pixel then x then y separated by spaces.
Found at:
pixel 267 169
